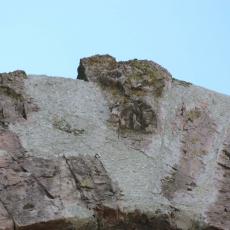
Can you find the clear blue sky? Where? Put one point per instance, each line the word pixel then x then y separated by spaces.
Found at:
pixel 191 38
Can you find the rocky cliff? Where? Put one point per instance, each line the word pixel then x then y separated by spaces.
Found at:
pixel 125 146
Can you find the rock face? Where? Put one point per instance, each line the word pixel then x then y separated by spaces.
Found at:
pixel 125 146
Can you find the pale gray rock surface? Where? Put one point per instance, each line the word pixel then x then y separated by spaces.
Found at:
pixel 125 146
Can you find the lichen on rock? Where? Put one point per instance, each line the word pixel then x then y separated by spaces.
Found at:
pixel 126 85
pixel 126 76
pixel 62 125
pixel 134 115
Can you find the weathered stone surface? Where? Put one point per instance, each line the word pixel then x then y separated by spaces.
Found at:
pixel 219 212
pixel 128 85
pixel 13 102
pixel 198 133
pixel 6 222
pixel 137 76
pixel 128 148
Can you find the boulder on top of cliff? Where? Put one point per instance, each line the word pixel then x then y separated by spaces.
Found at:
pixel 129 77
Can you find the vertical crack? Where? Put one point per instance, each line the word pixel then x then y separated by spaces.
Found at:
pixel 47 193
pixel 96 189
pixel 77 182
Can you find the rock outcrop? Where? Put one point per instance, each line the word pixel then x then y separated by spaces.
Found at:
pixel 125 146
pixel 127 85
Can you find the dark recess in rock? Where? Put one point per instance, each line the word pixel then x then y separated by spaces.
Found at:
pixel 134 115
pixel 81 73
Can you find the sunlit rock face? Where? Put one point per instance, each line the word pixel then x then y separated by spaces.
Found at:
pixel 124 146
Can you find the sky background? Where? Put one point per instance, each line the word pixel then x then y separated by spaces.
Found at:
pixel 191 38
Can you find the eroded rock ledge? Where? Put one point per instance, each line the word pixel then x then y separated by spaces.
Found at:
pixel 129 147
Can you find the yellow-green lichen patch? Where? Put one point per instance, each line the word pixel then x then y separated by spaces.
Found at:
pixel 62 125
pixel 11 93
pixel 126 76
pixel 138 93
pixel 87 183
pixel 102 63
pixel 134 81
pixel 102 60
pixel 193 115
pixel 145 73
